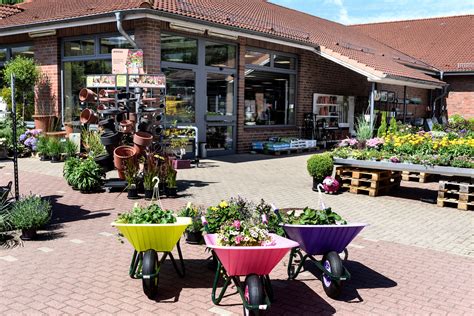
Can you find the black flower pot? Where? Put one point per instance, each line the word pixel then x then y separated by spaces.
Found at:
pixel 108 125
pixel 28 234
pixel 171 192
pixel 194 238
pixel 162 187
pixel 105 162
pixel 317 181
pixel 44 158
pixel 55 159
pixel 132 194
pixel 148 194
pixel 110 138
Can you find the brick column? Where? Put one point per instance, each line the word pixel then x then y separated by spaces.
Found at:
pixel 47 92
pixel 147 37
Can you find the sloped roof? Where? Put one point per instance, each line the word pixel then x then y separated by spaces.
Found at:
pixel 8 10
pixel 447 43
pixel 260 16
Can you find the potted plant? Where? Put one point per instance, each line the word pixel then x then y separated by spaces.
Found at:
pixel 319 167
pixel 54 148
pixel 87 176
pixel 194 231
pixel 42 147
pixel 171 186
pixel 123 154
pixel 70 148
pixel 69 167
pixel 131 176
pixel 150 175
pixel 178 146
pixel 29 214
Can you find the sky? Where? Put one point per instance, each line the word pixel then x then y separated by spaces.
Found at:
pixel 368 11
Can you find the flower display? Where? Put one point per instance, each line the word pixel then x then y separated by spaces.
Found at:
pixel 29 139
pixel 242 233
pixel 348 142
pixel 375 142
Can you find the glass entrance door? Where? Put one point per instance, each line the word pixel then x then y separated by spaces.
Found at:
pixel 220 115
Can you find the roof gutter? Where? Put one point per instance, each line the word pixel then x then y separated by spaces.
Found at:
pixel 118 18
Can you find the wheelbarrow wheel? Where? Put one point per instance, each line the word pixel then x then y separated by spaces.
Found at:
pixel 254 293
pixel 149 268
pixel 333 263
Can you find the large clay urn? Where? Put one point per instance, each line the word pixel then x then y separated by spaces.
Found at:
pixel 44 122
pixel 121 155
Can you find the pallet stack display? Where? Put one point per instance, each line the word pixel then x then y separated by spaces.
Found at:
pixel 420 177
pixel 456 194
pixel 280 146
pixel 372 182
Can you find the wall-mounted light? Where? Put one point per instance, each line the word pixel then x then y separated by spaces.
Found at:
pixel 42 33
pixel 185 28
pixel 222 35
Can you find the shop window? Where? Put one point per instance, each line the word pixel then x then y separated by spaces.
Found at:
pixel 24 51
pixel 219 138
pixel 181 93
pixel 178 49
pixel 220 94
pixel 75 73
pixel 3 55
pixel 257 58
pixel 109 43
pixel 220 55
pixel 284 62
pixel 82 47
pixel 269 98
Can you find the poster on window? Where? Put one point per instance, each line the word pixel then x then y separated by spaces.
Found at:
pixel 142 81
pixel 127 61
pixel 100 81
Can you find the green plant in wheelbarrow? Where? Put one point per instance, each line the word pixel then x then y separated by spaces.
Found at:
pixel 152 230
pixel 194 231
pixel 87 176
pixel 29 214
pixel 311 216
pixel 319 167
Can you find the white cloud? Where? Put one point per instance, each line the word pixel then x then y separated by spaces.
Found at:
pixel 343 13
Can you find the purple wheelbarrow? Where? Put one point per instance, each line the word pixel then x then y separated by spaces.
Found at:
pixel 325 240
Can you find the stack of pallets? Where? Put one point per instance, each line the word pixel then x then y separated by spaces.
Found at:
pixel 373 182
pixel 456 194
pixel 416 176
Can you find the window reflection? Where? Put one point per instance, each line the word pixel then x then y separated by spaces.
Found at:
pixel 180 98
pixel 109 43
pixel 83 47
pixel 178 49
pixel 220 55
pixel 220 94
pixel 219 138
pixel 257 58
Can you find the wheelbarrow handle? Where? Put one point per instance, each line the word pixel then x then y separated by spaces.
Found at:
pixel 205 224
pixel 277 213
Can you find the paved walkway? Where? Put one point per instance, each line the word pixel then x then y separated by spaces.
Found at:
pixel 415 258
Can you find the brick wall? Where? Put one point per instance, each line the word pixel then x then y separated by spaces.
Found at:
pixel 147 37
pixel 460 99
pixel 47 55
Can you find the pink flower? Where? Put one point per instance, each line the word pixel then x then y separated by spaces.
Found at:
pixel 238 239
pixel 264 219
pixel 236 224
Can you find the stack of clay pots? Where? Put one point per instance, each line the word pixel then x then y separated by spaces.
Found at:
pixel 141 141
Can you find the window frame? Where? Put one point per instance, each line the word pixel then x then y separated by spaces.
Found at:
pixel 9 47
pixel 274 69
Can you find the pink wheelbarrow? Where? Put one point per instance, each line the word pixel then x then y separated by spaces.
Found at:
pixel 253 263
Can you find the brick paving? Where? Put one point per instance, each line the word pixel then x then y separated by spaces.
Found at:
pixel 415 258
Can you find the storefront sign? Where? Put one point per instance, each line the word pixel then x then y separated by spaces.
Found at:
pixel 127 61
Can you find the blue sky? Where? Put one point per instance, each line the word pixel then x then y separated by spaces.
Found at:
pixel 367 11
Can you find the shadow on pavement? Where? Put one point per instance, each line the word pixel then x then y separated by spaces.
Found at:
pixel 412 193
pixel 362 277
pixel 63 213
pixel 241 158
pixel 10 240
pixel 183 185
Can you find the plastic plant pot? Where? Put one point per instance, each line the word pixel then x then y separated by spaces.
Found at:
pixel 110 138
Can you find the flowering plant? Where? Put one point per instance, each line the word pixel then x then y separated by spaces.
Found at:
pixel 29 139
pixel 242 233
pixel 348 142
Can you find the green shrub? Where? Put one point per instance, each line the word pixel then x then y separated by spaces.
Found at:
pixel 87 176
pixel 69 166
pixel 30 212
pixel 363 129
pixel 70 148
pixel 393 128
pixel 42 145
pixel 320 166
pixel 54 147
pixel 383 126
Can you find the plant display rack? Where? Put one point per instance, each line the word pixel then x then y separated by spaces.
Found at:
pixel 421 177
pixel 373 182
pixel 456 194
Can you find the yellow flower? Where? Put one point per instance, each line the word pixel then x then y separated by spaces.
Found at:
pixel 223 204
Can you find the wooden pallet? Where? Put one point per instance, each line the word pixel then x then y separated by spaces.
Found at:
pixel 366 174
pixel 460 187
pixel 373 192
pixel 416 176
pixel 461 205
pixel 373 182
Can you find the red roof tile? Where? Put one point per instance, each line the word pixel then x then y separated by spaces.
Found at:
pixel 333 38
pixel 447 43
pixel 8 10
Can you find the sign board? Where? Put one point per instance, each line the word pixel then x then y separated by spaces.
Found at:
pixel 127 61
pixel 101 81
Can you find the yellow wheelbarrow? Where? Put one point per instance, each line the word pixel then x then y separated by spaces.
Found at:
pixel 149 240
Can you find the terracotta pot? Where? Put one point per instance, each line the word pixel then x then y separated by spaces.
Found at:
pixel 106 93
pixel 142 139
pixel 140 150
pixel 88 117
pixel 61 134
pixel 121 155
pixel 127 126
pixel 44 122
pixel 87 95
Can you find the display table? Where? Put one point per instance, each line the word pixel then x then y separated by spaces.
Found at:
pixel 380 165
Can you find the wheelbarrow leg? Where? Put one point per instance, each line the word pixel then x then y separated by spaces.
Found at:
pixel 227 279
pixel 268 287
pixel 292 271
pixel 135 265
pixel 181 272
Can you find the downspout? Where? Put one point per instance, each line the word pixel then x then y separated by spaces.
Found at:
pixel 118 17
pixel 442 95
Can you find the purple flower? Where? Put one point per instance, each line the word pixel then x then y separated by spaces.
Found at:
pixel 394 159
pixel 22 137
pixel 35 132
